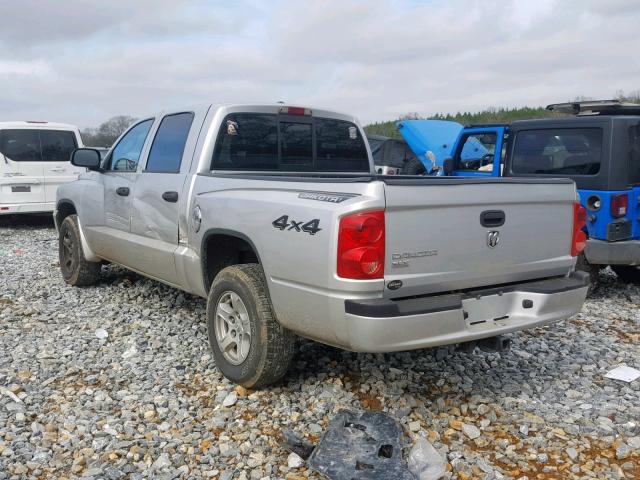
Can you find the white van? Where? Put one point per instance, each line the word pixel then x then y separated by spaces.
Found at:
pixel 34 161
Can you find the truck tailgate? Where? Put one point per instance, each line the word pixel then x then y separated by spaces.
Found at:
pixel 436 240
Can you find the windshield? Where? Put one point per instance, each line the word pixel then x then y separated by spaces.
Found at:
pixel 265 142
pixel 570 151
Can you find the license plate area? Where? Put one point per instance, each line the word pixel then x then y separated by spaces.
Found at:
pixel 20 188
pixel 486 311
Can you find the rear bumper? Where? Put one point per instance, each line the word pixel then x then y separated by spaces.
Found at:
pixel 626 252
pixel 15 208
pixel 382 325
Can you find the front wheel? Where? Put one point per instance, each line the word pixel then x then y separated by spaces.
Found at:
pixel 76 269
pixel 249 346
pixel 627 273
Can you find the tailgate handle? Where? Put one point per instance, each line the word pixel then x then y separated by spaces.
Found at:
pixel 492 218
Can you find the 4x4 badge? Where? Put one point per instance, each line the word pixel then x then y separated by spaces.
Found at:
pixel 493 238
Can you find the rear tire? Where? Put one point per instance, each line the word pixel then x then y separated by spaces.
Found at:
pixel 413 166
pixel 238 307
pixel 627 273
pixel 76 269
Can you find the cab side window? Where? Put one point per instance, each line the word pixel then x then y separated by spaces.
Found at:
pixel 168 145
pixel 126 154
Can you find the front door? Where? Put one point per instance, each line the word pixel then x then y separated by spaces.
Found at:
pixel 478 152
pixel 57 146
pixel 158 198
pixel 113 237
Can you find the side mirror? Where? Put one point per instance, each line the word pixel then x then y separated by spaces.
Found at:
pixel 86 157
pixel 447 166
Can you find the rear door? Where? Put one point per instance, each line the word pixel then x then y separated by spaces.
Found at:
pixel 57 146
pixel 445 233
pixel 21 170
pixel 158 196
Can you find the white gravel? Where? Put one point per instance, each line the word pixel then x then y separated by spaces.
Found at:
pixel 117 381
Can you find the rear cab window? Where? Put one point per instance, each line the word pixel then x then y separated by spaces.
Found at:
pixel 296 146
pixel 37 145
pixel 565 151
pixel 269 142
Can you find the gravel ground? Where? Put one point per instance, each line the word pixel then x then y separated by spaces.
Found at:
pixel 148 402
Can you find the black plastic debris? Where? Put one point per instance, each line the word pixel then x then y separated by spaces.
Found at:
pixel 296 444
pixel 361 445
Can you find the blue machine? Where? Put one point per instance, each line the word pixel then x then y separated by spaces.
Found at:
pixel 598 147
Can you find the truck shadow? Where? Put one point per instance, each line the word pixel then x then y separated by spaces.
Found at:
pixel 430 375
pixel 28 221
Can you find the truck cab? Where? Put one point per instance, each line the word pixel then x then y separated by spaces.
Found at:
pixel 597 145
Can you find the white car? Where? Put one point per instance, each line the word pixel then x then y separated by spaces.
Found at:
pixel 34 161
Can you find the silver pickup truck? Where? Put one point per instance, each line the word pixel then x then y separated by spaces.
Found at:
pixel 275 215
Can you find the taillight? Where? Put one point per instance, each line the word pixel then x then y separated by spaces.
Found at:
pixel 361 246
pixel 619 205
pixel 579 238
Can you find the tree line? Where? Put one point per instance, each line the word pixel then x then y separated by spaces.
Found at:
pixel 489 115
pixel 107 133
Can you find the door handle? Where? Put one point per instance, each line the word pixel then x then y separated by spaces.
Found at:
pixel 170 197
pixel 492 218
pixel 122 191
pixel 57 170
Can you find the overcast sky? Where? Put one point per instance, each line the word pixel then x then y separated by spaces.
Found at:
pixel 83 61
